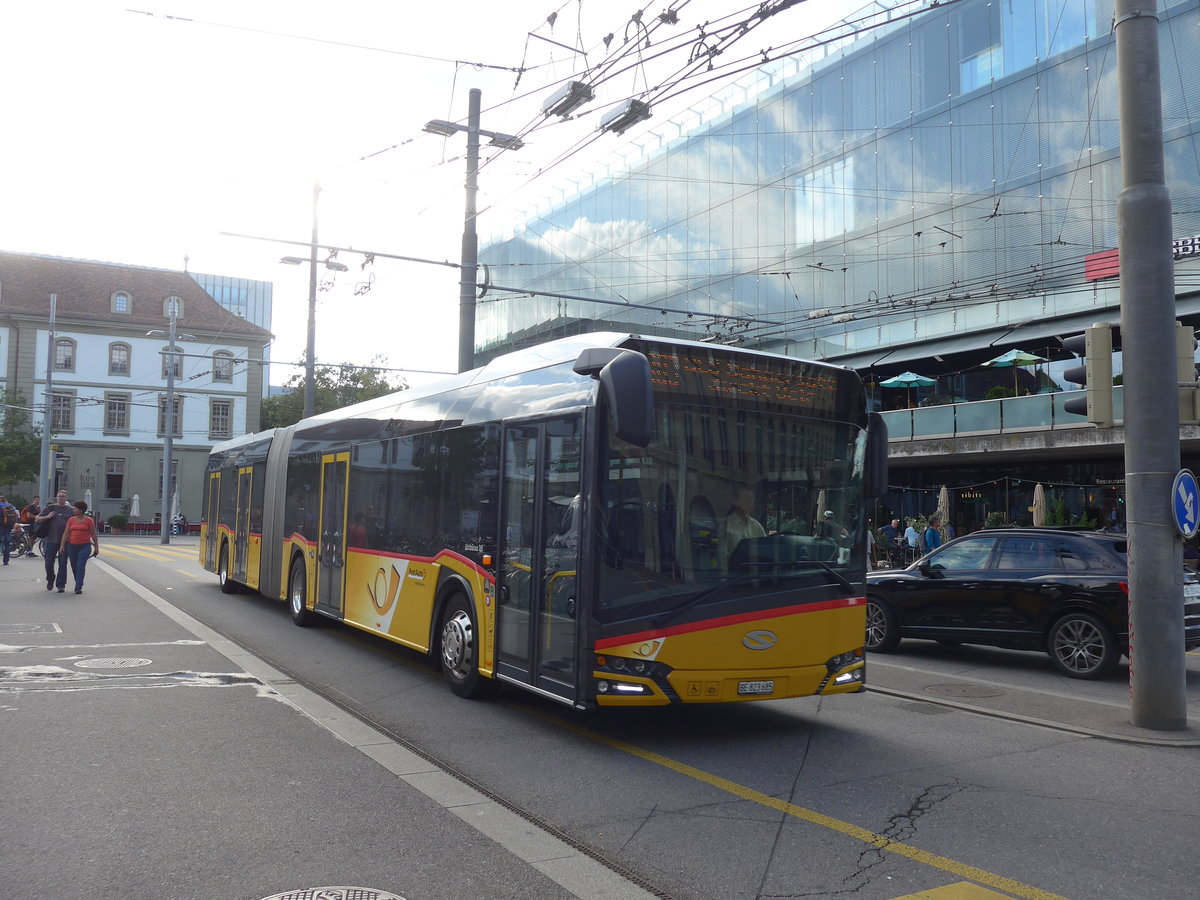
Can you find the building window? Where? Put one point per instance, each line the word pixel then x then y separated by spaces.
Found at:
pixel 174 477
pixel 177 415
pixel 114 479
pixel 62 411
pixel 116 413
pixel 166 361
pixel 222 366
pixel 220 418
pixel 173 305
pixel 118 359
pixel 121 303
pixel 64 355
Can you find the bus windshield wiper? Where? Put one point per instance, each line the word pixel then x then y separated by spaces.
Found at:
pixel 675 612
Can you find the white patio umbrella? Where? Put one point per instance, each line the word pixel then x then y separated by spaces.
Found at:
pixel 87 498
pixel 175 506
pixel 944 504
pixel 1039 506
pixel 135 507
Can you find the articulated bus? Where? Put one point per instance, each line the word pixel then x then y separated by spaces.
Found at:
pixel 604 520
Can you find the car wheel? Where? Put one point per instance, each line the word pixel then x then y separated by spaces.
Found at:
pixel 227 585
pixel 883 634
pixel 1082 646
pixel 459 649
pixel 298 594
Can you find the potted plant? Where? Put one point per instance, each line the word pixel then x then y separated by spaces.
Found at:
pixel 117 521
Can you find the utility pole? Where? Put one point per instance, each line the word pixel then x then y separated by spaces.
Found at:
pixel 46 475
pixel 470 242
pixel 1157 669
pixel 310 371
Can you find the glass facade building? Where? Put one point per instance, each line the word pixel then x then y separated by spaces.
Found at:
pixel 924 188
pixel 924 194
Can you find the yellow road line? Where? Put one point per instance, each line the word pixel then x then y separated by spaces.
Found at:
pixel 108 551
pixel 961 891
pixel 879 841
pixel 187 573
pixel 151 553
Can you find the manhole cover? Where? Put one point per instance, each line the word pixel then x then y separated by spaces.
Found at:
pixel 115 662
pixel 963 690
pixel 335 893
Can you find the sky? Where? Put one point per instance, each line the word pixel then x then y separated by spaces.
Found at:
pixel 144 132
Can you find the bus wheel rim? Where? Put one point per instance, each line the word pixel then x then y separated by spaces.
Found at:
pixel 458 644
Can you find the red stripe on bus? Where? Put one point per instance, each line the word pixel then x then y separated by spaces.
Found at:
pixel 707 624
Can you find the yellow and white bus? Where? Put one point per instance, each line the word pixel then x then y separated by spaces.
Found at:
pixel 605 520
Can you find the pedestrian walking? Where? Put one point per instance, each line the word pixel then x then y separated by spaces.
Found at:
pixel 81 542
pixel 8 521
pixel 56 515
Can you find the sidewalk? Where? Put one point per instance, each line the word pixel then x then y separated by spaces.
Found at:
pixel 1072 714
pixel 146 756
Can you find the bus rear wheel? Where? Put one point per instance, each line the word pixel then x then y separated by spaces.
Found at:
pixel 459 650
pixel 298 594
pixel 227 586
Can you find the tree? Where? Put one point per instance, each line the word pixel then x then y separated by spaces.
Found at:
pixel 333 388
pixel 20 442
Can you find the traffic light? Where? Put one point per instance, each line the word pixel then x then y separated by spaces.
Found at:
pixel 1095 347
pixel 1185 370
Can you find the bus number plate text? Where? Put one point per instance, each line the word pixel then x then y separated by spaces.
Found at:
pixel 756 687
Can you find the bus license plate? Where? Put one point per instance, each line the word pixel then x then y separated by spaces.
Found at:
pixel 756 687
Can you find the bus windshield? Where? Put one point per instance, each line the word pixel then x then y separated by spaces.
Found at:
pixel 730 500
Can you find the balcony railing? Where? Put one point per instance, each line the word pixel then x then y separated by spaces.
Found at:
pixel 1037 412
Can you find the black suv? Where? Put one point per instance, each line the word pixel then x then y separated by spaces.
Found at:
pixel 1024 588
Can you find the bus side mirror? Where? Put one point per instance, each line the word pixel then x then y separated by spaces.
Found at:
pixel 624 377
pixel 875 477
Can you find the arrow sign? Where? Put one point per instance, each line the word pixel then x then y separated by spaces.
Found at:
pixel 1185 503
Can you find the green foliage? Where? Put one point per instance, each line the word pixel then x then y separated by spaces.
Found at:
pixel 996 519
pixel 999 392
pixel 118 520
pixel 1057 512
pixel 20 442
pixel 334 387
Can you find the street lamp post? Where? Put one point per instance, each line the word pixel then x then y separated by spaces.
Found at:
pixel 169 431
pixel 470 239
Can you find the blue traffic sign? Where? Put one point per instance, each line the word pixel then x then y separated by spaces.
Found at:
pixel 1185 502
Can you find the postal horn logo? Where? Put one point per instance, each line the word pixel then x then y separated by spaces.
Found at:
pixel 760 640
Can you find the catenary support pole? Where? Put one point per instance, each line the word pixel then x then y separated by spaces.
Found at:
pixel 46 473
pixel 470 243
pixel 1157 668
pixel 310 361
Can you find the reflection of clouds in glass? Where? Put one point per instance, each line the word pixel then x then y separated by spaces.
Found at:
pixel 512 398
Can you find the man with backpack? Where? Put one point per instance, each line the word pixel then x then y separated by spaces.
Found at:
pixel 56 516
pixel 931 537
pixel 8 521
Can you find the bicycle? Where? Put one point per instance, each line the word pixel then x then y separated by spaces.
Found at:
pixel 24 544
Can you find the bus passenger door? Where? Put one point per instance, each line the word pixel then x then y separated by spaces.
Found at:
pixel 536 624
pixel 241 531
pixel 213 520
pixel 331 553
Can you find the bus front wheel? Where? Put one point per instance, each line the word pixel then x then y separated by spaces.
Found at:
pixel 228 586
pixel 298 594
pixel 460 649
